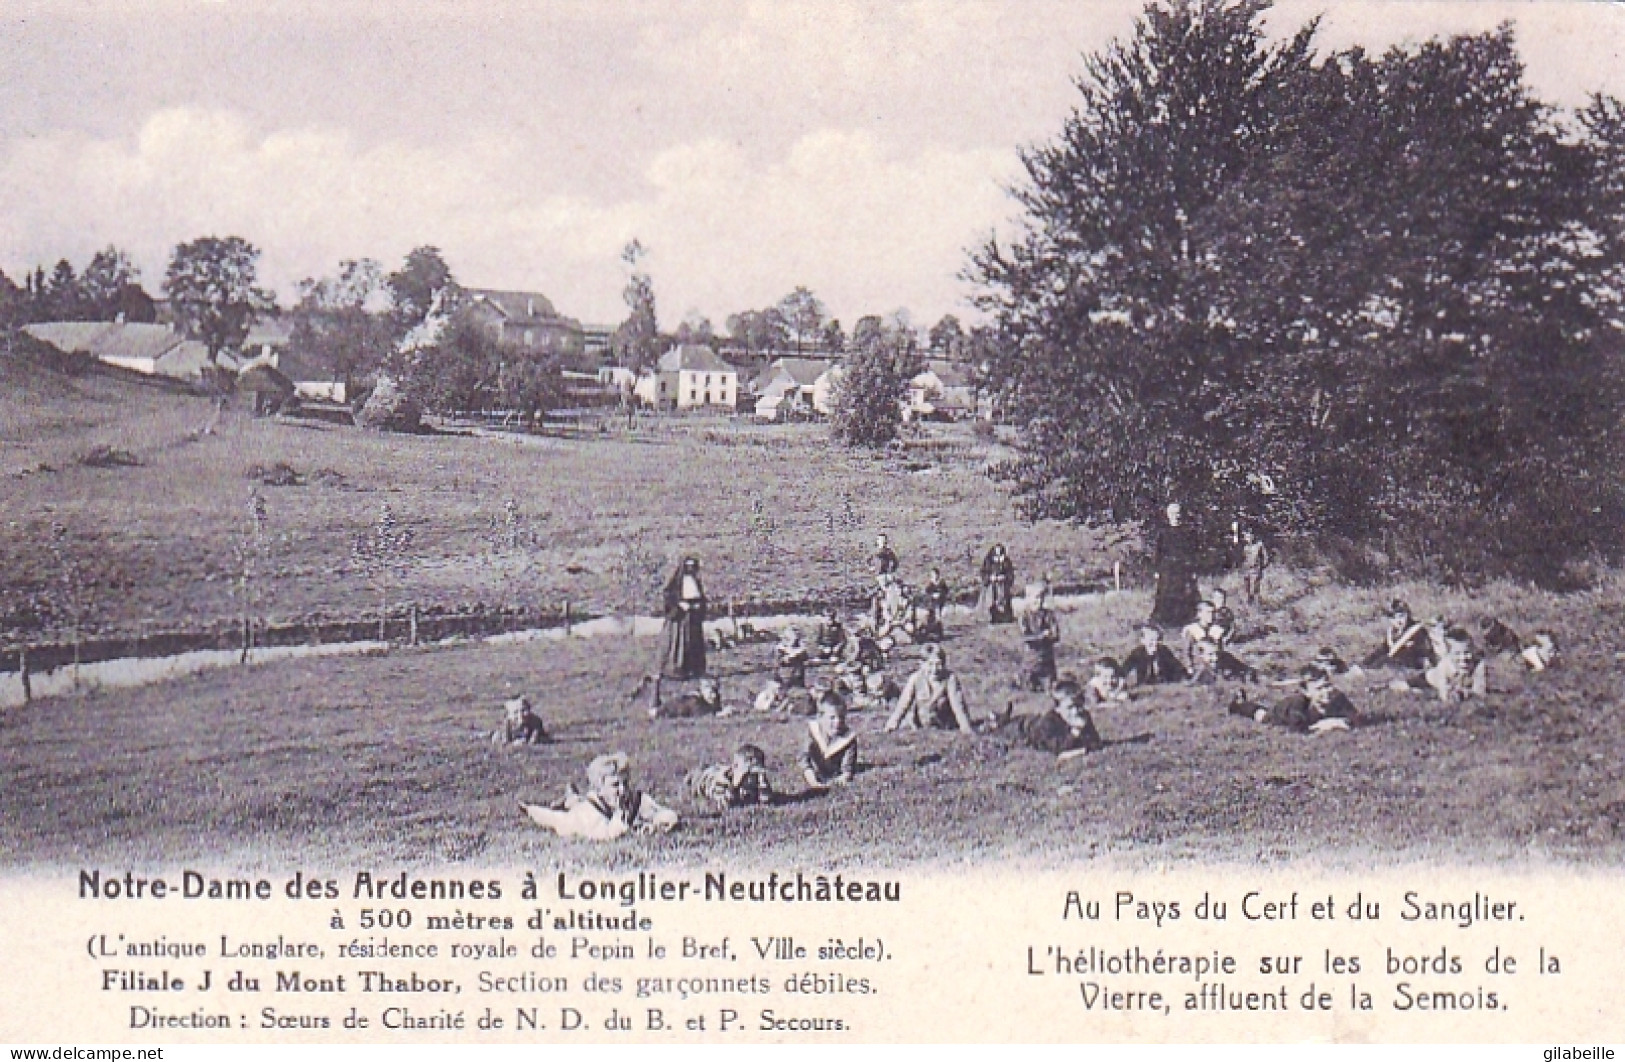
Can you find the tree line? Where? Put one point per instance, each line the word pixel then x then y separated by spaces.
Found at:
pixel 108 289
pixel 1373 301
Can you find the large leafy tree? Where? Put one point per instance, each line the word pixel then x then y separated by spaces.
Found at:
pixel 866 405
pixel 212 284
pixel 948 337
pixel 760 331
pixel 466 369
pixel 344 321
pixel 805 316
pixel 111 287
pixel 423 282
pixel 1349 292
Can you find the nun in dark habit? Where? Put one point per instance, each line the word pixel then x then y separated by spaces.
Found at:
pixel 683 656
pixel 1175 560
pixel 998 585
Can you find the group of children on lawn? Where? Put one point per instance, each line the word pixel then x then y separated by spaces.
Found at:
pixel 1435 657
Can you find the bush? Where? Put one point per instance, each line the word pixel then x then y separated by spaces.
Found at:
pixel 108 457
pixel 280 474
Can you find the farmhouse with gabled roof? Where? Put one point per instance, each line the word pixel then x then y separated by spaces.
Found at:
pixel 690 376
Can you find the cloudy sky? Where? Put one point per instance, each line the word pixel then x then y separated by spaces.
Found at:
pixel 855 147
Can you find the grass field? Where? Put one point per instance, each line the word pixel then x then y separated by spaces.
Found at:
pixel 382 760
pixel 769 510
pixel 344 761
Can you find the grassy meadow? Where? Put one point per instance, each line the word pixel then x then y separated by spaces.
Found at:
pixel 383 759
pixel 772 511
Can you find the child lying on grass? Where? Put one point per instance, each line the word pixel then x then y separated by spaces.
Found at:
pixel 1457 673
pixel 520 725
pixel 831 755
pixel 611 808
pixel 739 783
pixel 707 700
pixel 1318 706
pixel 1210 663
pixel 1066 730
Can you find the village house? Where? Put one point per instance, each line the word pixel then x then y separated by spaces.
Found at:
pixel 267 336
pixel 525 320
pixel 943 390
pixel 150 349
pixel 310 379
pixel 690 376
pixel 793 387
pixel 595 343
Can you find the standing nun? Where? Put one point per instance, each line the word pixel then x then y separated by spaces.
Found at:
pixel 683 656
pixel 1177 592
pixel 998 582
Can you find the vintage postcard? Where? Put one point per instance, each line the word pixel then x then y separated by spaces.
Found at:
pixel 821 522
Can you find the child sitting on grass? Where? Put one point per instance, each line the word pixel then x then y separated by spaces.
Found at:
pixel 831 755
pixel 610 809
pixel 787 692
pixel 520 725
pixel 862 647
pixel 865 688
pixel 1151 662
pixel 932 697
pixel 1106 684
pixel 830 641
pixel 741 782
pixel 1201 629
pixel 1210 663
pixel 1040 633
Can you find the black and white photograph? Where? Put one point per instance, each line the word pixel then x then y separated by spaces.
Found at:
pixel 867 437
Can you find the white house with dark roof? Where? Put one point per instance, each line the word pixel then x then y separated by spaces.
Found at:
pixel 690 376
pixel 943 389
pixel 791 386
pixel 151 349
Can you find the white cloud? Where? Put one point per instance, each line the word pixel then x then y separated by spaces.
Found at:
pixel 866 227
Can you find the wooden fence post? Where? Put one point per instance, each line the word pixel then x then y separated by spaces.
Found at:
pixel 413 631
pixel 22 671
pixel 567 617
pixel 1117 574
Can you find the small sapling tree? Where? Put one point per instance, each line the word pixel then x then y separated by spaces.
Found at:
pixel 385 555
